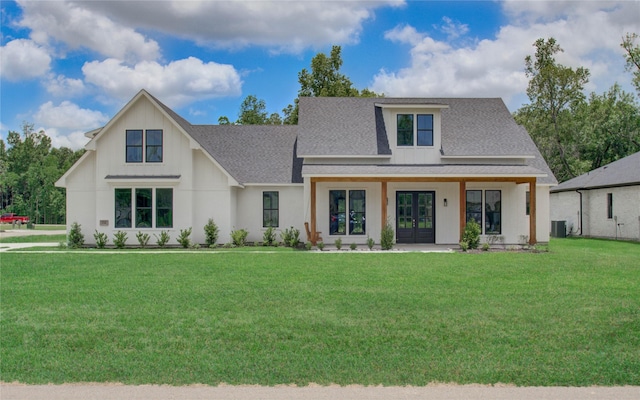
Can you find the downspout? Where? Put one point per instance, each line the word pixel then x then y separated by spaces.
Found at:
pixel 580 193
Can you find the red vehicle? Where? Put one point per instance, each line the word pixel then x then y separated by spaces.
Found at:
pixel 11 218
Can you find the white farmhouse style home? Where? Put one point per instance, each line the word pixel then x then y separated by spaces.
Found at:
pixel 604 202
pixel 424 165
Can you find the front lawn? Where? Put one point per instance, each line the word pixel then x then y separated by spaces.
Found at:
pixel 568 317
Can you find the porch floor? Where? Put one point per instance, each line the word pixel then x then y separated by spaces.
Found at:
pixel 418 248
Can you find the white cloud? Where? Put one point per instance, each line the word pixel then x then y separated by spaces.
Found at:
pixel 23 59
pixel 176 83
pixel 62 86
pixel 77 26
pixel 283 26
pixel 453 29
pixel 589 32
pixel 66 123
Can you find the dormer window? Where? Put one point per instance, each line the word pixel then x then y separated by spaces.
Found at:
pixel 422 131
pixel 151 142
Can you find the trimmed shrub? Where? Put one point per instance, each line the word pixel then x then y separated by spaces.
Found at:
pixel 101 239
pixel 387 237
pixel 211 233
pixel 75 239
pixel 239 237
pixel 370 243
pixel 291 237
pixel 320 245
pixel 120 239
pixel 269 237
pixel 471 234
pixel 338 243
pixel 163 239
pixel 183 238
pixel 143 239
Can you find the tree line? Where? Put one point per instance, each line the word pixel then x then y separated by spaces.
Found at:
pixel 29 168
pixel 574 132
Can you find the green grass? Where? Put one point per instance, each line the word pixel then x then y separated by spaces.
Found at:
pixel 568 317
pixel 35 239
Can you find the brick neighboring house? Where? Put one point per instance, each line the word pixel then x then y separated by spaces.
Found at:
pixel 604 202
pixel 425 165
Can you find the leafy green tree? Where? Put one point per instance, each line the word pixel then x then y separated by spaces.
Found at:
pixel 632 57
pixel 554 91
pixel 609 127
pixel 252 111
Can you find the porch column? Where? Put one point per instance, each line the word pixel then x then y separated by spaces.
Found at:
pixel 463 207
pixel 532 211
pixel 313 209
pixel 383 202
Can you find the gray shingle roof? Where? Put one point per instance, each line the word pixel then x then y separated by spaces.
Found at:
pixel 623 172
pixel 348 126
pixel 253 153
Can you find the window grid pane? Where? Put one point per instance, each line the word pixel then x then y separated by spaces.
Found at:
pixel 405 129
pixel 270 209
pixel 425 130
pixel 493 212
pixel 164 208
pixel 474 206
pixel 337 212
pixel 357 212
pixel 123 208
pixel 143 208
pixel 134 146
pixel 154 145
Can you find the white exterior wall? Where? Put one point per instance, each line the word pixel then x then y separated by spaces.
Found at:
pixel 81 197
pixel 625 223
pixel 290 203
pixel 413 154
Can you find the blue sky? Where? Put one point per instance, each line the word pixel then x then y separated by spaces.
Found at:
pixel 69 66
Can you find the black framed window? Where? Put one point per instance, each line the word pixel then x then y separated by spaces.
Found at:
pixel 337 212
pixel 134 145
pixel 144 204
pixel 123 208
pixel 153 145
pixel 474 206
pixel 425 130
pixel 270 209
pixel 493 212
pixel 164 208
pixel 610 205
pixel 405 129
pixel 528 202
pixel 357 212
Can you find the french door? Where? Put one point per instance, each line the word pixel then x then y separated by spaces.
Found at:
pixel 415 217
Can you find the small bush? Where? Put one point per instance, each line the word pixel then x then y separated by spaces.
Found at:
pixel 163 239
pixel 387 236
pixel 291 237
pixel 101 239
pixel 239 237
pixel 370 243
pixel 143 239
pixel 183 238
pixel 269 237
pixel 308 245
pixel 353 246
pixel 338 243
pixel 471 234
pixel 464 246
pixel 120 239
pixel 485 246
pixel 211 233
pixel 320 245
pixel 75 239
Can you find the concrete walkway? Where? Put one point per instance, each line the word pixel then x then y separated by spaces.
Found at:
pixel 313 392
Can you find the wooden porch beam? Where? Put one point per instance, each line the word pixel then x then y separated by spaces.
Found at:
pixel 517 180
